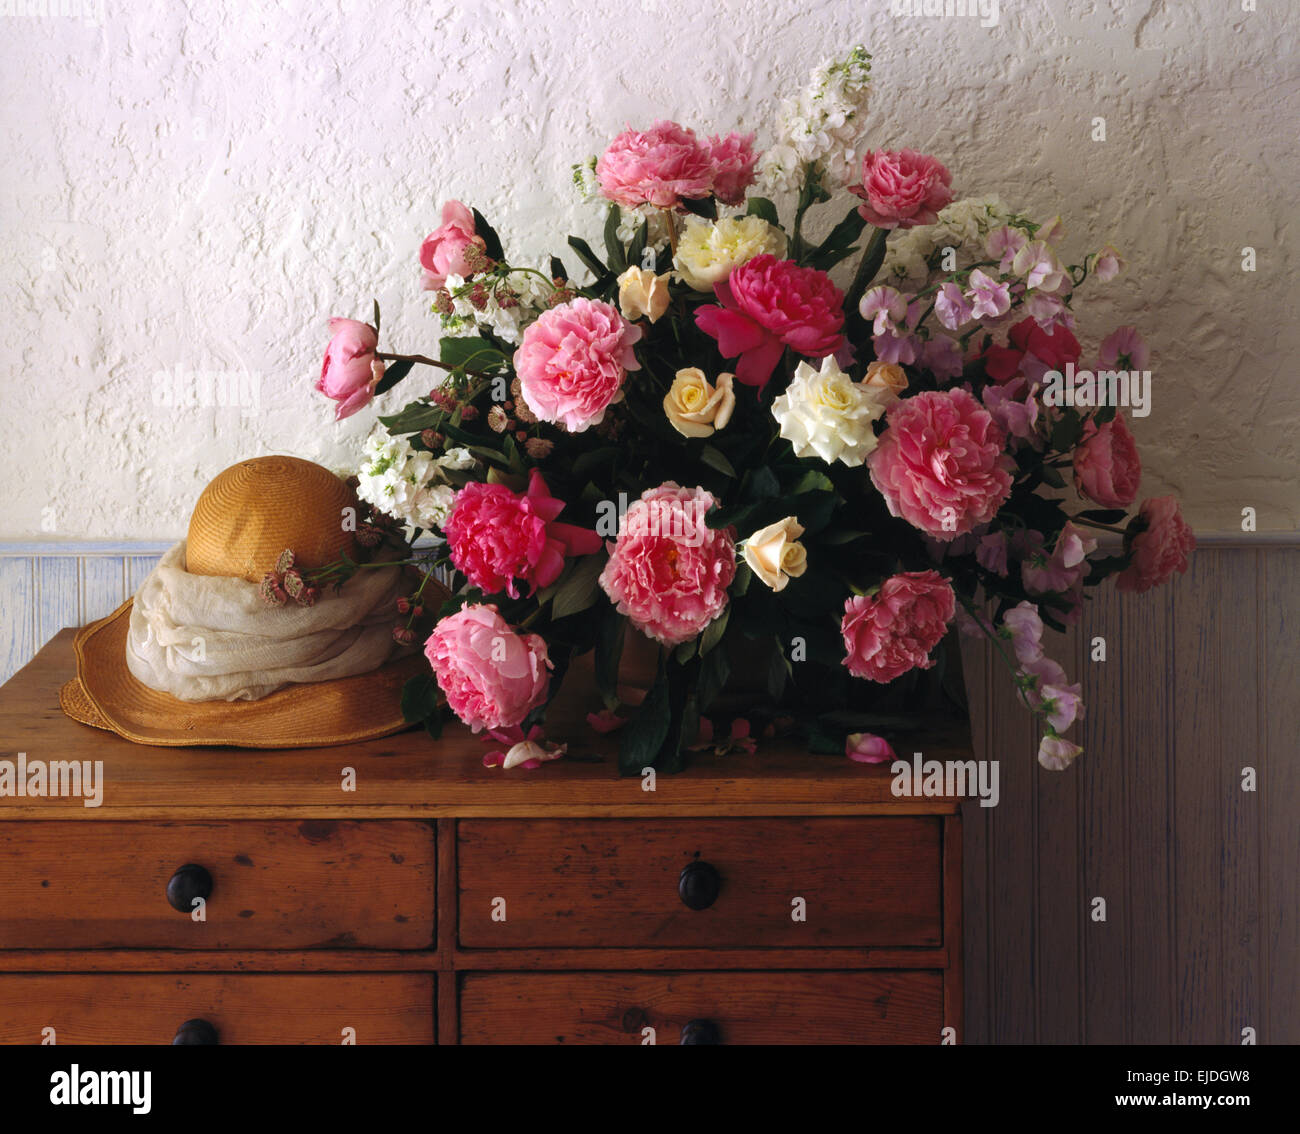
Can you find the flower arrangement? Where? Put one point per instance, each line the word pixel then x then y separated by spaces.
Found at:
pixel 698 436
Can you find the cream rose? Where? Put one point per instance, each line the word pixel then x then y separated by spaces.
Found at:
pixel 694 407
pixel 774 553
pixel 708 250
pixel 641 292
pixel 824 413
pixel 886 381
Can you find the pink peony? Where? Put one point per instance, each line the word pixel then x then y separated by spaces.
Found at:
pixel 347 375
pixel 767 305
pixel 493 677
pixel 892 632
pixel 658 167
pixel 734 158
pixel 902 189
pixel 572 361
pixel 496 536
pixel 868 748
pixel 668 570
pixel 1160 547
pixel 1107 469
pixel 443 252
pixel 940 463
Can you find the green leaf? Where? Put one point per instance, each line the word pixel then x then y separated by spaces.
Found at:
pixel 744 576
pixel 590 259
pixel 813 481
pixel 842 536
pixel 762 208
pixel 557 269
pixel 644 735
pixel 394 372
pixel 778 671
pixel 412 419
pixel 1104 515
pixel 579 591
pixel 376 323
pixel 433 725
pixel 491 241
pixel 419 698
pixel 685 651
pixel 473 351
pixel 706 207
pixel 715 668
pixel 636 250
pixel 839 244
pixel 1053 477
pixel 712 456
pixel 714 630
pixel 613 246
pixel 609 652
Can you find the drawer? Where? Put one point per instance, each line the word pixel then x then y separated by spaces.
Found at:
pixel 743 1008
pixel 864 881
pixel 274 885
pixel 243 1008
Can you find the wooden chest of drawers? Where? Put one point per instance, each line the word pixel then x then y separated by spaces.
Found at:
pixel 400 892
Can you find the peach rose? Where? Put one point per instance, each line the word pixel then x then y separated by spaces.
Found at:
pixel 775 555
pixel 694 407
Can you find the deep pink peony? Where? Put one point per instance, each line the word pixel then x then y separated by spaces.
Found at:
pixel 1160 548
pixel 902 189
pixel 1107 469
pixel 443 252
pixel 655 167
pixel 668 570
pixel 497 536
pixel 893 631
pixel 940 463
pixel 347 374
pixel 493 677
pixel 572 361
pixel 734 158
pixel 767 305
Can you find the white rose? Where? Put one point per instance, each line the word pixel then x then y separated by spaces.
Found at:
pixel 707 251
pixel 826 414
pixel 774 553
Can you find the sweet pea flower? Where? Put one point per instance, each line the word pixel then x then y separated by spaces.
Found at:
pixel 952 307
pixel 1126 347
pixel 991 553
pixel 1055 753
pixel 941 356
pixel 1053 231
pixel 1037 263
pixel 1046 310
pixel 1002 244
pixel 1059 572
pixel 885 306
pixel 1025 629
pixel 1107 264
pixel 1013 409
pixel 868 748
pixel 989 298
pixel 347 375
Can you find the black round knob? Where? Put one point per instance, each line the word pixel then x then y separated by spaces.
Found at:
pixel 701 1031
pixel 199 1032
pixel 699 885
pixel 189 882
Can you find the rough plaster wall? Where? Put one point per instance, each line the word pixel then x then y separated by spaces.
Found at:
pixel 196 187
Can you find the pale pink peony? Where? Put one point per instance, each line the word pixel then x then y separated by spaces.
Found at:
pixel 443 252
pixel 940 463
pixel 893 631
pixel 1161 546
pixel 1107 469
pixel 767 305
pixel 658 167
pixel 497 536
pixel 348 373
pixel 668 571
pixel 572 361
pixel 902 189
pixel 493 676
pixel 734 158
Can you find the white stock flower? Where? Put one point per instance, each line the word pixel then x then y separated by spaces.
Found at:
pixel 962 226
pixel 506 322
pixel 407 483
pixel 707 251
pixel 825 413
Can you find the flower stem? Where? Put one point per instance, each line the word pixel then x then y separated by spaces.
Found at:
pixel 429 362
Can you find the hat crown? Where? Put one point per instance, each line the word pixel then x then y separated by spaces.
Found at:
pixel 254 510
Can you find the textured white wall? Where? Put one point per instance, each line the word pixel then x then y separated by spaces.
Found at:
pixel 197 190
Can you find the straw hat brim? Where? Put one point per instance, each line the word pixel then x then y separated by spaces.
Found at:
pixel 105 694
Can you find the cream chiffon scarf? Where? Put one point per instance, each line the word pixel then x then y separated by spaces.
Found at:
pixel 210 638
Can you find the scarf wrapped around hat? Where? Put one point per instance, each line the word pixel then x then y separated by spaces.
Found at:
pixel 213 638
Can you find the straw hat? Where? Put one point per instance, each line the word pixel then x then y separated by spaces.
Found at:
pixel 243 520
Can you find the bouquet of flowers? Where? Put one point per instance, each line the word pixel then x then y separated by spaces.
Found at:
pixel 697 437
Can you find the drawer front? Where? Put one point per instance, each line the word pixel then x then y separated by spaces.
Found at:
pixel 113 1008
pixel 743 1008
pixel 274 885
pixel 864 881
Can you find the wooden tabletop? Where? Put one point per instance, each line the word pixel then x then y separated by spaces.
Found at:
pixel 412 775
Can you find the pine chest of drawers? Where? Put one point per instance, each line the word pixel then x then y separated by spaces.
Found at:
pixel 400 892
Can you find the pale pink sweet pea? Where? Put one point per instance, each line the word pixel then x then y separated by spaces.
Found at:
pixel 901 189
pixel 1062 570
pixel 443 252
pixel 572 362
pixel 941 356
pixel 940 463
pixel 668 571
pixel 498 537
pixel 1055 753
pixel 1160 547
pixel 1037 263
pixel 893 631
pixel 868 748
pixel 991 553
pixel 1047 311
pixel 734 158
pixel 660 167
pixel 1025 629
pixel 885 306
pixel 347 375
pixel 1107 264
pixel 951 306
pixel 1107 468
pixel 1003 244
pixel 1125 347
pixel 989 298
pixel 1015 411
pixel 492 675
pixel 1060 705
pixel 766 305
